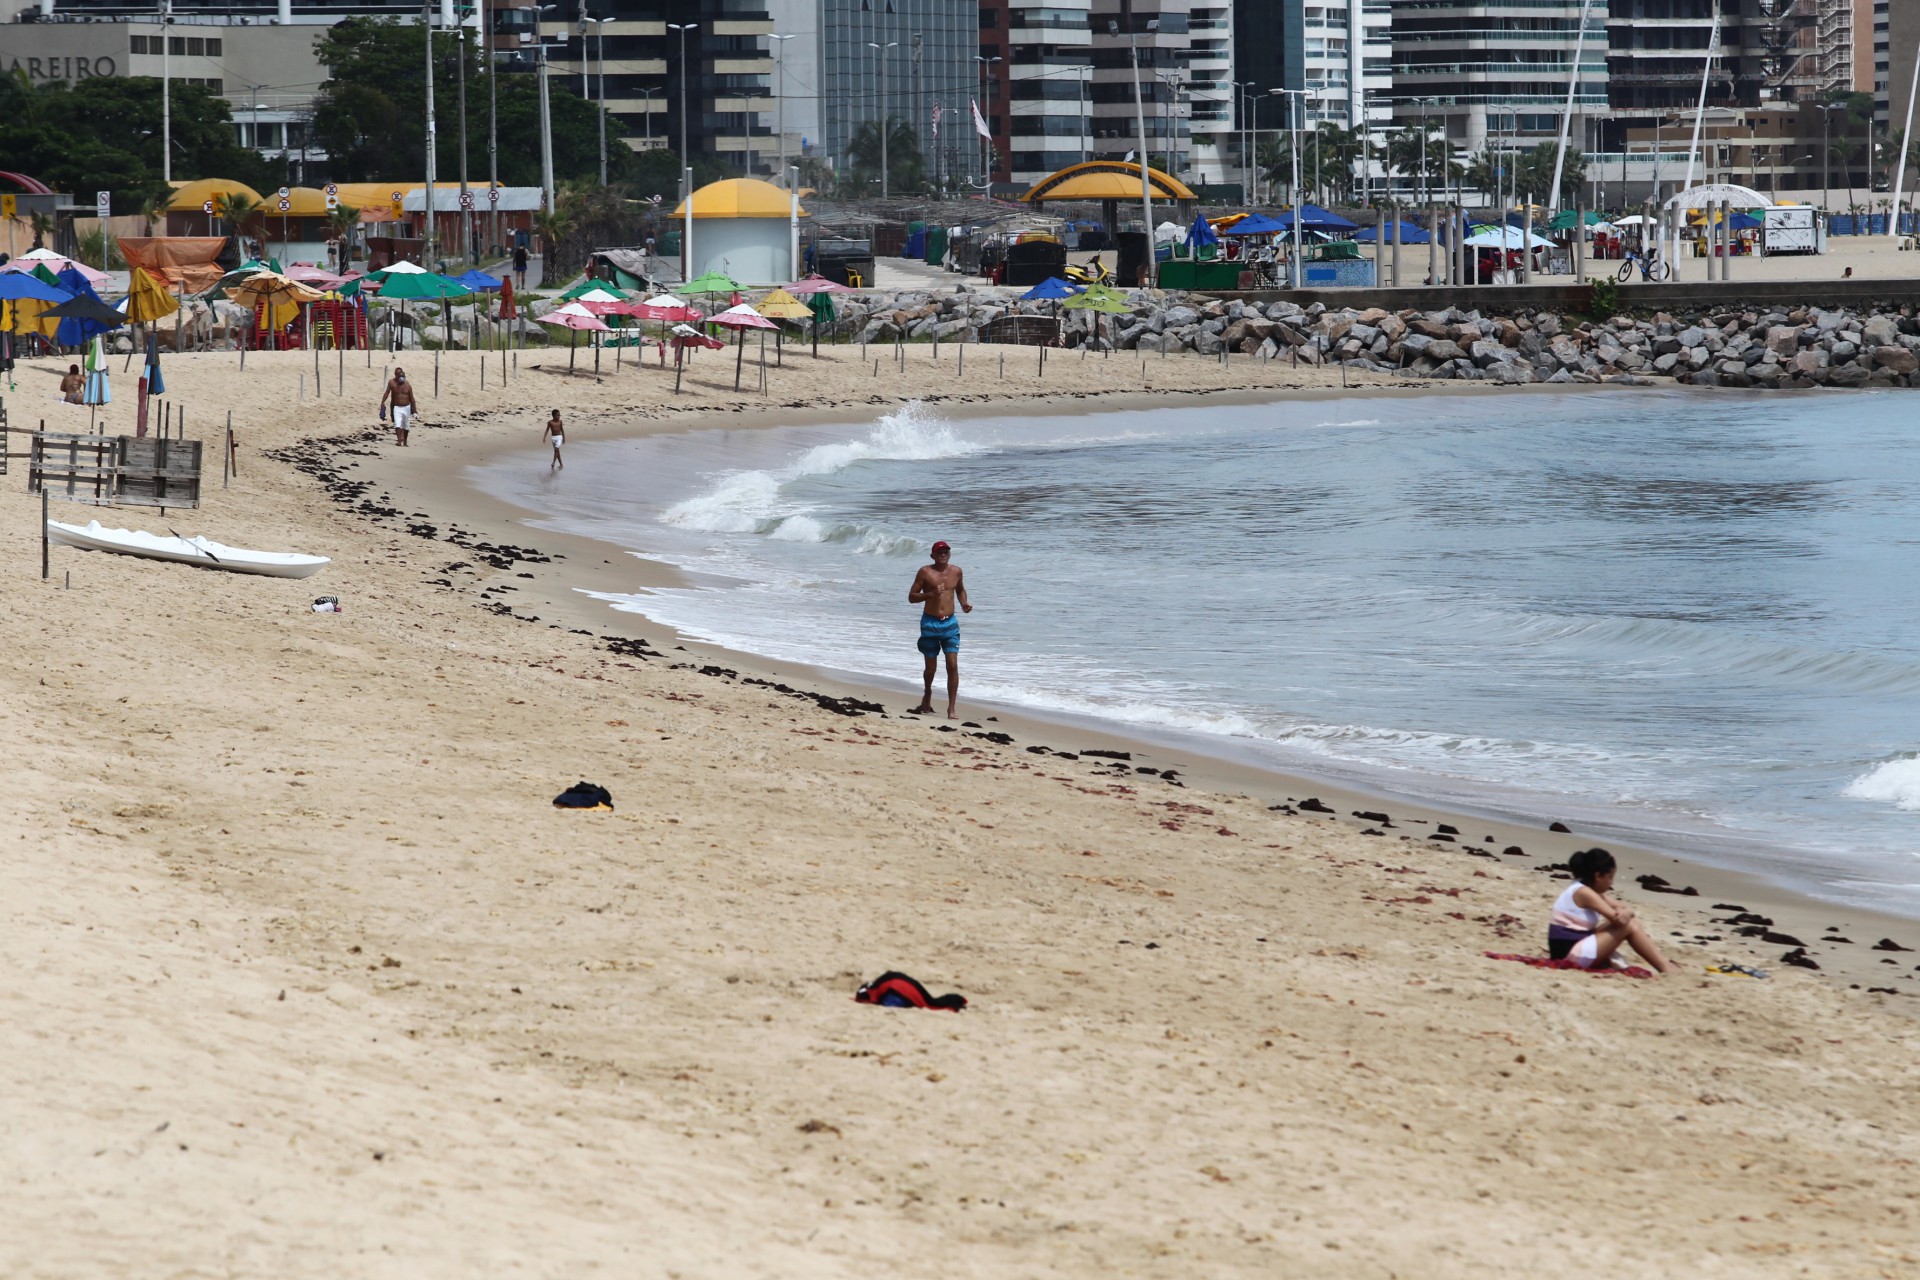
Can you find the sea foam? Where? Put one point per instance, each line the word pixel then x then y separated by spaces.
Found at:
pixel 758 501
pixel 1894 781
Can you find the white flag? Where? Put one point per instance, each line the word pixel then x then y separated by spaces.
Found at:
pixel 936 119
pixel 980 122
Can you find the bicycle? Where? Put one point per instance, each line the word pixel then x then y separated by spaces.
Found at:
pixel 1652 267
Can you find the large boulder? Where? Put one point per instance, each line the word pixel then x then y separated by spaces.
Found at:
pixel 1881 331
pixel 1894 359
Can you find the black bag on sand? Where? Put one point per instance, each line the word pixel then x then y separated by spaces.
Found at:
pixel 584 795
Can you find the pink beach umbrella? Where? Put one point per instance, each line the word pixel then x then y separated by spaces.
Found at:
pixel 578 318
pixel 816 283
pixel 744 317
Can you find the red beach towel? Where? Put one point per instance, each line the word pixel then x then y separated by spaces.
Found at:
pixel 1541 962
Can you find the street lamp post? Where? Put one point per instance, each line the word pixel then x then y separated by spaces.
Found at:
pixel 1826 154
pixel 166 93
pixel 1086 110
pixel 1140 123
pixel 1293 97
pixel 1242 98
pixel 646 96
pixel 600 43
pixel 780 102
pixel 686 162
pixel 886 174
pixel 546 112
pixel 493 130
pixel 426 26
pixel 466 199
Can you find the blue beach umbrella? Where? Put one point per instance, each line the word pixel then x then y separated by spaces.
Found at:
pixel 1201 233
pixel 1255 224
pixel 479 281
pixel 75 330
pixel 1051 287
pixel 155 387
pixel 15 285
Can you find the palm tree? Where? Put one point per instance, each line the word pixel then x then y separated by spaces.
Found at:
pixel 42 225
pixel 1273 157
pixel 906 171
pixel 1334 152
pixel 153 207
pixel 240 213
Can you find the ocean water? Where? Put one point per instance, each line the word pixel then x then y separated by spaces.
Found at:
pixel 1684 619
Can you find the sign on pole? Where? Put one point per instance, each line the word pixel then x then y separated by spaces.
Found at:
pixel 103 203
pixel 206 207
pixel 9 205
pixel 333 188
pixel 283 193
pixel 397 210
pixel 466 199
pixel 285 204
pixel 493 195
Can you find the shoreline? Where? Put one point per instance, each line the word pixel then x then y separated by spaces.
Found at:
pixel 309 973
pixel 442 487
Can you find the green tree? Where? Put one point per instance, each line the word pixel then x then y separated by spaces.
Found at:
pixel 104 133
pixel 370 115
pixel 906 169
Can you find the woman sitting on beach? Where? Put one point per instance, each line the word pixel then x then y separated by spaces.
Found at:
pixel 1588 927
pixel 72 384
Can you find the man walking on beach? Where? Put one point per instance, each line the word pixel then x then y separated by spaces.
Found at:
pixel 520 266
pixel 558 434
pixel 400 394
pixel 935 588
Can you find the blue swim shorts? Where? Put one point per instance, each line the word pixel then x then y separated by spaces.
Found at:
pixel 939 635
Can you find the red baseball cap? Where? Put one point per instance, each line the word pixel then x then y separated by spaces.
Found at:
pixel 941 546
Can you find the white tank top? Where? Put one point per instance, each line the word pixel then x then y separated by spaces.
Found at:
pixel 1570 915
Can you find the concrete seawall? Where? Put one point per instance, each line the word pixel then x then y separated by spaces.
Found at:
pixel 1853 295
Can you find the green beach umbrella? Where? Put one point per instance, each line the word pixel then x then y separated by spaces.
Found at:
pixel 711 282
pixel 590 290
pixel 1101 300
pixel 419 285
pixel 1563 220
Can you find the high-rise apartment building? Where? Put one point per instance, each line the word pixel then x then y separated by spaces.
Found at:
pixel 1496 72
pixel 1156 33
pixel 1339 53
pixel 691 75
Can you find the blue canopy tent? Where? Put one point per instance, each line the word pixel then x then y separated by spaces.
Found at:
pixel 1314 218
pixel 1052 287
pixel 1409 234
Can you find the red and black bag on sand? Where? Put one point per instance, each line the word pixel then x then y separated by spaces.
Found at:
pixel 898 991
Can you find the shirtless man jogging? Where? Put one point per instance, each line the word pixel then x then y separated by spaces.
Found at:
pixel 400 392
pixel 936 587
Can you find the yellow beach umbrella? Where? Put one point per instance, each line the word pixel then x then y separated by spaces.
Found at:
pixel 148 299
pixel 781 305
pixel 281 296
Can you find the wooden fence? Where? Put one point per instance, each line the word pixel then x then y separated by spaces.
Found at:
pixel 115 470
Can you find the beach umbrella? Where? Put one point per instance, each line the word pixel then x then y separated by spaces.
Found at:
pixel 1101 300
pixel 576 317
pixel 710 282
pixel 29 313
pixel 1053 287
pixel 738 318
pixel 480 282
pixel 1409 234
pixel 274 296
pixel 148 299
pixel 95 390
pixel 56 263
pixel 1505 238
pixel 590 290
pixel 418 286
pixel 1256 224
pixel 83 315
pixel 155 384
pixel 1563 220
pixel 16 285
pixel 664 306
pixel 781 305
pixel 1201 233
pixel 816 284
pixel 401 268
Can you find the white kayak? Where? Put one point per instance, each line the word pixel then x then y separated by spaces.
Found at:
pixel 196 551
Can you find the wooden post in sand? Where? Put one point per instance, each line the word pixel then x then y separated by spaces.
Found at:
pixel 226 453
pixel 436 373
pixel 45 563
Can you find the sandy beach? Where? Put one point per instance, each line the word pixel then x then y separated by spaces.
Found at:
pixel 309 977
